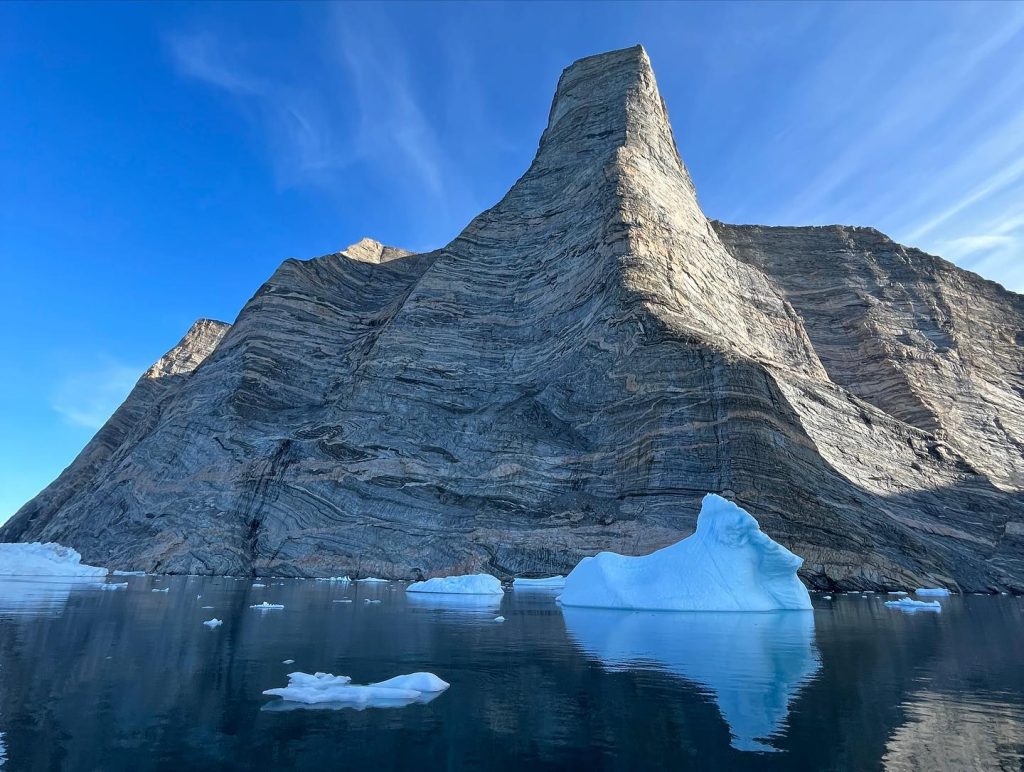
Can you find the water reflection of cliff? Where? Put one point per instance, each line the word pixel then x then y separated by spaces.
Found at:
pixel 753 665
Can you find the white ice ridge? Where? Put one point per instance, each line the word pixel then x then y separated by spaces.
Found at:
pixel 939 592
pixel 264 606
pixel 50 559
pixel 728 564
pixel 471 584
pixel 909 604
pixel 553 582
pixel 320 688
pixel 211 623
pixel 119 572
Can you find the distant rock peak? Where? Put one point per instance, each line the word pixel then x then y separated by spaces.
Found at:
pixel 369 250
pixel 568 375
pixel 199 342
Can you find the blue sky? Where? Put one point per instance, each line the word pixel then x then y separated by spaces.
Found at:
pixel 158 161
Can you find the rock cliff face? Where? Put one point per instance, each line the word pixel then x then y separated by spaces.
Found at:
pixel 573 373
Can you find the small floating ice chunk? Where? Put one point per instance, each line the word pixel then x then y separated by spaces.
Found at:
pixel 321 688
pixel 49 559
pixel 259 585
pixel 826 597
pixel 909 604
pixel 119 572
pixel 899 593
pixel 207 606
pixel 264 606
pixel 114 586
pixel 369 600
pixel 552 582
pixel 336 579
pixel 372 580
pixel 472 584
pixel 165 589
pixel 938 592
pixel 211 623
pixel 343 600
pixel 728 564
pixel 287 661
pixel 499 619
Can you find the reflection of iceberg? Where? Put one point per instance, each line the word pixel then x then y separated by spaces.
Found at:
pixel 452 602
pixel 44 595
pixel 752 664
pixel 728 564
pixel 284 706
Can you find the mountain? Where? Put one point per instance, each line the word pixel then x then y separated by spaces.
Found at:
pixel 572 373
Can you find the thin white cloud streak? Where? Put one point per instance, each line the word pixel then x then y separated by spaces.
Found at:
pixel 90 397
pixel 306 145
pixel 361 107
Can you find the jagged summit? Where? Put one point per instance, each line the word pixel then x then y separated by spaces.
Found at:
pixel 372 251
pixel 572 373
pixel 202 338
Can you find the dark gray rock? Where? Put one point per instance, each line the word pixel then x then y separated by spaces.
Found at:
pixel 573 373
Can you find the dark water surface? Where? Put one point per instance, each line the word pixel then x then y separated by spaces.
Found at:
pixel 132 680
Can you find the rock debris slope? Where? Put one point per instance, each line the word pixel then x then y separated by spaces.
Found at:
pixel 584 362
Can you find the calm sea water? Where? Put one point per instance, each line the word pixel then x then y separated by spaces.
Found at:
pixel 132 680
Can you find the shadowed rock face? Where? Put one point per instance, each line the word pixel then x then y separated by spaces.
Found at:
pixel 573 373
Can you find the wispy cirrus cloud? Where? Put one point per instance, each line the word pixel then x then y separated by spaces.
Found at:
pixel 89 397
pixel 353 100
pixel 305 142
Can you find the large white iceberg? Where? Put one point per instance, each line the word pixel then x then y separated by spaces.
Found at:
pixel 339 691
pixel 50 559
pixel 471 584
pixel 728 564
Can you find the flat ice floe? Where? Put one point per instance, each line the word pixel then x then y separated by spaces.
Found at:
pixel 372 580
pixel 909 604
pixel 38 559
pixel 118 572
pixel 264 606
pixel 114 586
pixel 728 564
pixel 327 689
pixel 211 623
pixel 938 592
pixel 471 584
pixel 548 582
pixel 337 579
